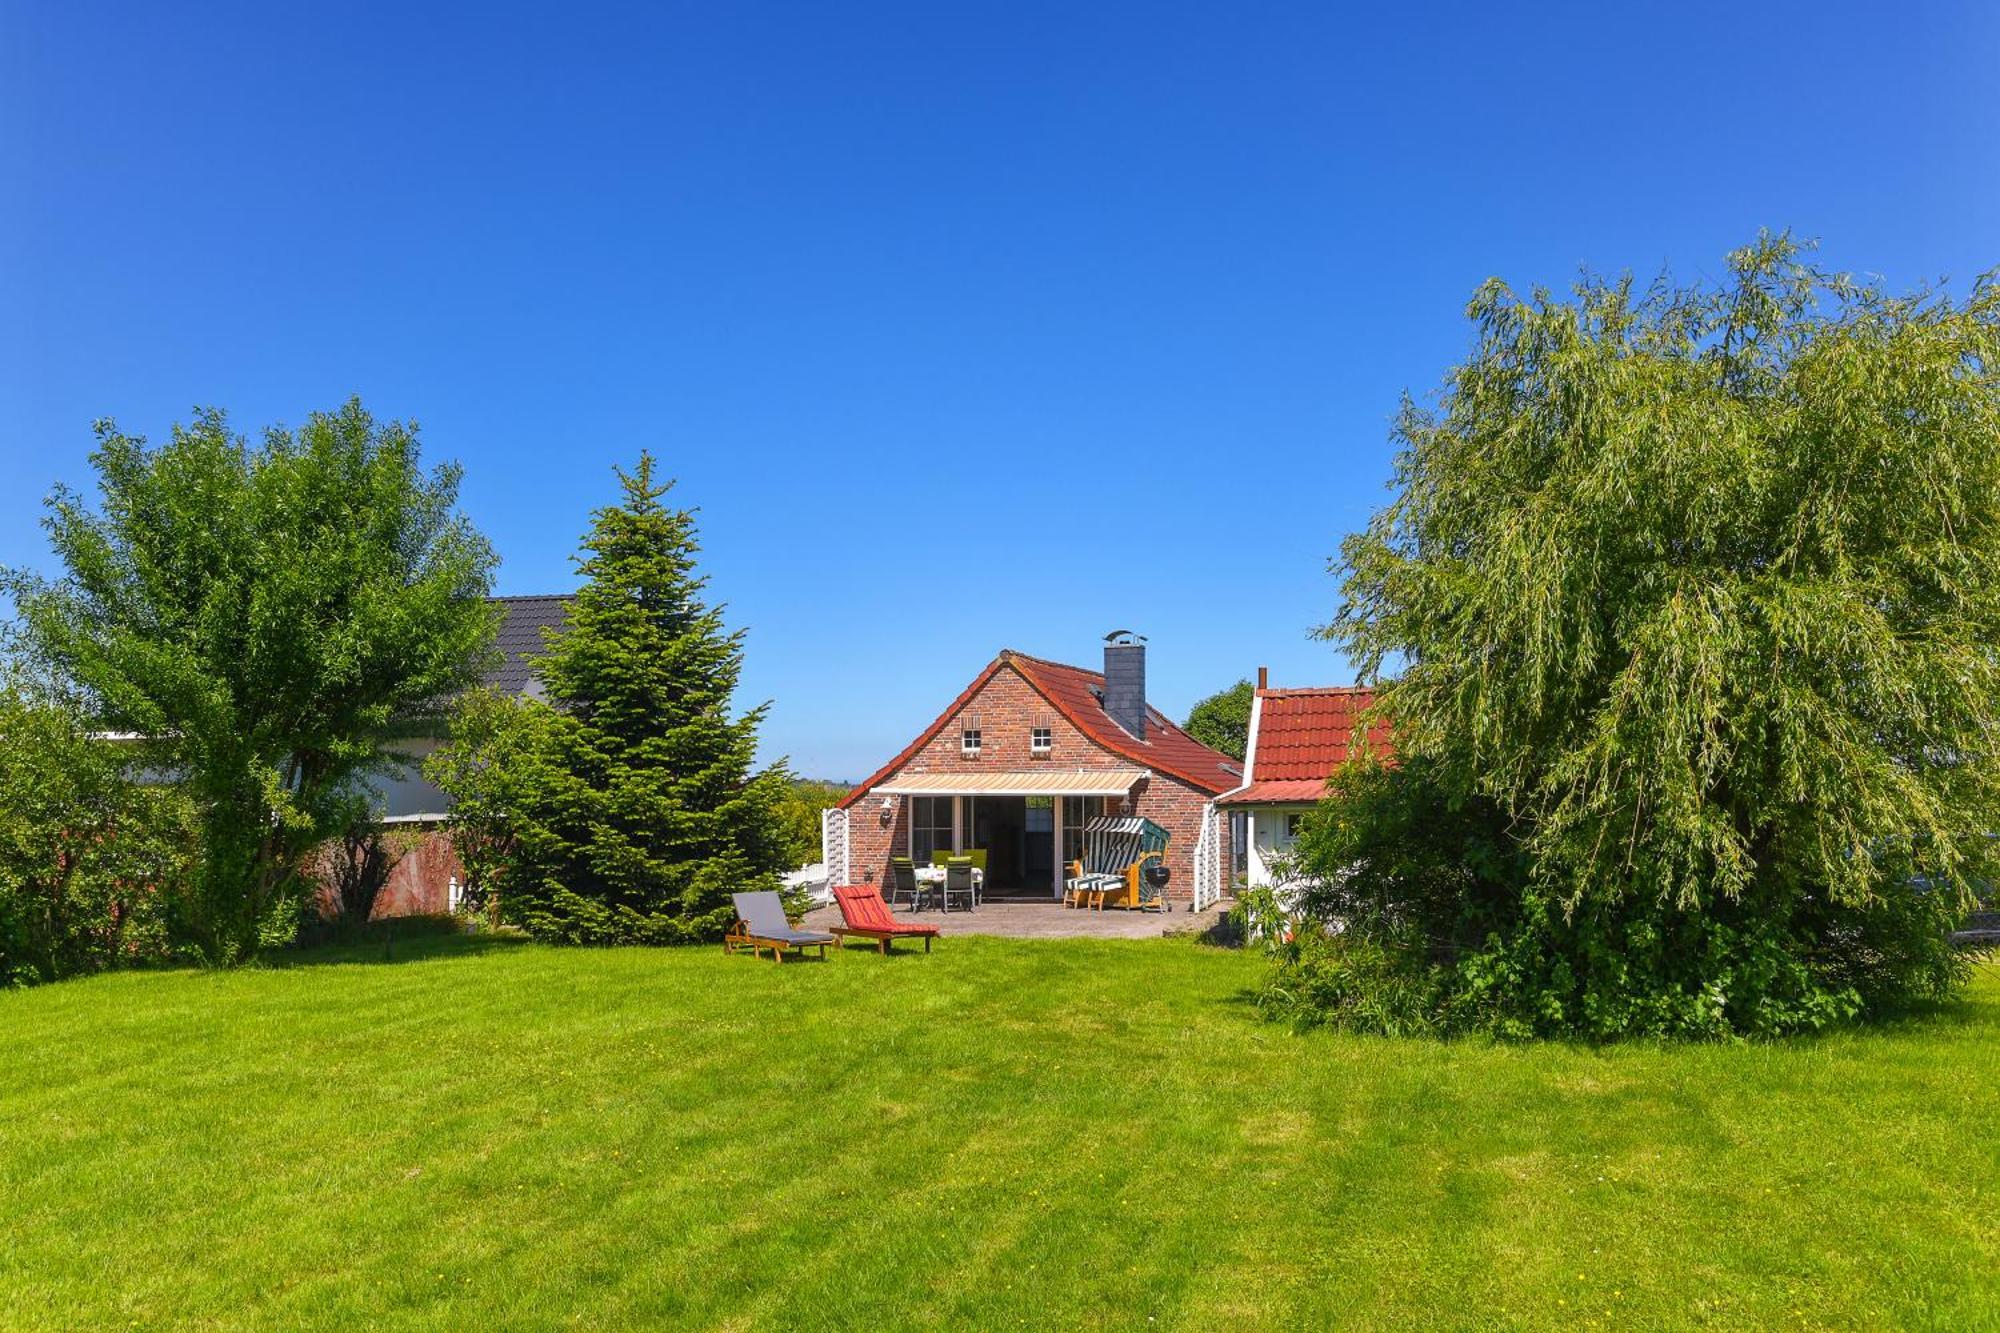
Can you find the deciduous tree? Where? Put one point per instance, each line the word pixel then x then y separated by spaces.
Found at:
pixel 1222 720
pixel 259 614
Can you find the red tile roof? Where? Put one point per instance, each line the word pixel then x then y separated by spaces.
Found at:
pixel 1295 791
pixel 1078 695
pixel 1302 736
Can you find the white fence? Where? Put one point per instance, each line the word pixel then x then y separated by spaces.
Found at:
pixel 833 846
pixel 1208 867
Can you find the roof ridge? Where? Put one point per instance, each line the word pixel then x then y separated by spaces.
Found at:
pixel 1049 662
pixel 1274 690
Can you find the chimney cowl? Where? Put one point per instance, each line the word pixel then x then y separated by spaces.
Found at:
pixel 1125 680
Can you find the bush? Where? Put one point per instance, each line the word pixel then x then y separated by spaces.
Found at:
pixel 351 872
pixel 93 867
pixel 1353 984
pixel 1440 908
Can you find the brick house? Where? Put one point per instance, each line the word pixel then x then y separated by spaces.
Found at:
pixel 1298 737
pixel 1018 764
pixel 413 807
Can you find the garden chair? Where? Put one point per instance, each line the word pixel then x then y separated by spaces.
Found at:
pixel 761 924
pixel 977 855
pixel 867 918
pixel 958 881
pixel 903 880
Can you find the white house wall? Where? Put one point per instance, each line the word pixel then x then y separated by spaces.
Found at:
pixel 1269 840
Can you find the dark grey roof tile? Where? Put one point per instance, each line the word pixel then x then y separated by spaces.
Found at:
pixel 520 639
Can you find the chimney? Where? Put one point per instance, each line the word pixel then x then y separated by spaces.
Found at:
pixel 1263 678
pixel 1125 680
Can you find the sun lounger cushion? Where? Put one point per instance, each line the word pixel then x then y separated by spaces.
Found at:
pixel 863 910
pixel 764 914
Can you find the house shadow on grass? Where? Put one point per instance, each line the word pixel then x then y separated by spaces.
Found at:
pixel 407 939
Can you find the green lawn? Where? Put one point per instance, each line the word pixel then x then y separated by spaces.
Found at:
pixel 488 1133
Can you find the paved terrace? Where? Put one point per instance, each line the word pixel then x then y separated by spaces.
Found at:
pixel 1034 919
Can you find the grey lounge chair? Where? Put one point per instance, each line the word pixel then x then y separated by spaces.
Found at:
pixel 761 925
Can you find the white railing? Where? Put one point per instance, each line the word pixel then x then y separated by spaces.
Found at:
pixel 833 846
pixel 1208 861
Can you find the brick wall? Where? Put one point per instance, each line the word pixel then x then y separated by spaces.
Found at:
pixel 420 883
pixel 1005 709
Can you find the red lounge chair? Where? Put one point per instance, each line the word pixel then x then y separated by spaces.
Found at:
pixel 867 917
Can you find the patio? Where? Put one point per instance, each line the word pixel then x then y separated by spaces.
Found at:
pixel 1040 919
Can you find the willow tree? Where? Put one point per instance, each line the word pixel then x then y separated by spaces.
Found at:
pixel 1690 598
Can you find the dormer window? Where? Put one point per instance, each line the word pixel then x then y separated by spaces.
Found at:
pixel 968 742
pixel 1041 740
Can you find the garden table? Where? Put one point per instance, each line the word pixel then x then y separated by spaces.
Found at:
pixel 931 880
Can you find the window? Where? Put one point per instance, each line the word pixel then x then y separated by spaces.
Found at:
pixel 968 742
pixel 930 827
pixel 1041 814
pixel 1077 811
pixel 1041 740
pixel 1292 821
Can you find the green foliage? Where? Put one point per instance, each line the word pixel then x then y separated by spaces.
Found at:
pixel 1222 720
pixel 262 614
pixel 805 800
pixel 493 767
pixel 91 863
pixel 624 809
pixel 1693 595
pixel 1352 983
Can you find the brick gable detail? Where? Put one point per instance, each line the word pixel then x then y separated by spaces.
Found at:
pixel 1005 708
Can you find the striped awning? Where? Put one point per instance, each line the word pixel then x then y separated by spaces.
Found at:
pixel 1038 782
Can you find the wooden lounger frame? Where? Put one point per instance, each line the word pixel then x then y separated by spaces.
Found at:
pixel 883 938
pixel 739 937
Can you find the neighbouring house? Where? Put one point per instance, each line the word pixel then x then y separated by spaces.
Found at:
pixel 1298 737
pixel 1021 761
pixel 414 807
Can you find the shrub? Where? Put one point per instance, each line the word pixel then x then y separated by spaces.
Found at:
pixel 93 867
pixel 1351 983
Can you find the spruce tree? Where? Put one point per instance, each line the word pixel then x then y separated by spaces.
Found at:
pixel 642 813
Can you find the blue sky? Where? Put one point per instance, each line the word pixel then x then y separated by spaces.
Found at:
pixel 963 326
